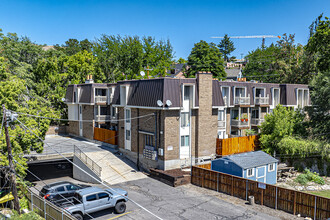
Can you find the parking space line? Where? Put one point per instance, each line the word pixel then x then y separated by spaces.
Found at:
pixel 119 215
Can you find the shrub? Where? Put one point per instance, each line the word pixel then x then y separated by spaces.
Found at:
pixel 308 176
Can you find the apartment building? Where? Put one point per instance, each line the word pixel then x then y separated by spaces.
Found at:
pixel 166 123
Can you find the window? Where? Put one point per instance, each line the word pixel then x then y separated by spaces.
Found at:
pixel 91 198
pixel 240 92
pixel 250 172
pixel 255 113
pixel 185 140
pixel 234 114
pixel 74 97
pixel 128 135
pixel 71 187
pixel 60 189
pixel 185 119
pixel 276 97
pixel 221 115
pixel 103 110
pixel 264 109
pixel 271 167
pixel 149 140
pixel 100 92
pixel 260 93
pixel 128 115
pixel 114 111
pixel 186 92
pixel 103 195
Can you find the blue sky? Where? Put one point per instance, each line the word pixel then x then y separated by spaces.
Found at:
pixel 183 22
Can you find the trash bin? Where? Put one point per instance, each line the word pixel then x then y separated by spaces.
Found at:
pixel 251 200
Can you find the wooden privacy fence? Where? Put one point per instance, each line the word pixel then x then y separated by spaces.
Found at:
pixel 45 208
pixel 105 135
pixel 288 200
pixel 236 145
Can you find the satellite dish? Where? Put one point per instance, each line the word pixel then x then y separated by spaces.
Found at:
pixel 159 103
pixel 168 103
pixel 63 99
pixel 142 73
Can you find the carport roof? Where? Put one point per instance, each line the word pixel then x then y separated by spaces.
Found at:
pixel 251 159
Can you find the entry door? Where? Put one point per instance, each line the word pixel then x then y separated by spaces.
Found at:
pixel 261 174
pixel 80 121
pixel 128 134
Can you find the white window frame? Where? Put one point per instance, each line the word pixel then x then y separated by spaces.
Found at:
pixel 273 96
pixel 247 172
pixel 271 170
pixel 228 98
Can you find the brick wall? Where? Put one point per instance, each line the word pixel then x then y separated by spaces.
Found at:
pixel 207 121
pixel 88 127
pixel 73 128
pixel 171 135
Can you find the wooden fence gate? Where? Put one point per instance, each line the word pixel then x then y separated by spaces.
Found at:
pixel 236 145
pixel 105 135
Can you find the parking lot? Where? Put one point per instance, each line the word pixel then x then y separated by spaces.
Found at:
pixel 184 202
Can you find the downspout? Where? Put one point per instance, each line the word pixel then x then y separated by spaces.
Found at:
pixel 138 140
pixel 156 130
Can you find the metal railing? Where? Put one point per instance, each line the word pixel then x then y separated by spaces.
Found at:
pixel 242 100
pixel 261 100
pixel 87 161
pixel 256 121
pixel 100 99
pixel 46 209
pixel 239 123
pixel 102 117
pixel 221 124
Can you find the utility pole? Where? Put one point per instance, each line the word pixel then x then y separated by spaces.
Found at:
pixel 11 165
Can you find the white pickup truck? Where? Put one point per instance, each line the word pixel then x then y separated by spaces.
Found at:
pixel 94 199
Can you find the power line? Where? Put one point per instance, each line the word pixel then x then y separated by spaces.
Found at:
pixel 59 119
pixel 91 175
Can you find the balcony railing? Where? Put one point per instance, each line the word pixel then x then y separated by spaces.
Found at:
pixel 239 123
pixel 100 99
pixel 257 121
pixel 114 118
pixel 261 100
pixel 221 124
pixel 225 100
pixel 102 117
pixel 242 100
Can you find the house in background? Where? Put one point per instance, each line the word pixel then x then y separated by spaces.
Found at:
pixel 257 165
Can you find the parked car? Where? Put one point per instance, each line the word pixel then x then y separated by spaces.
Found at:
pixel 94 199
pixel 58 190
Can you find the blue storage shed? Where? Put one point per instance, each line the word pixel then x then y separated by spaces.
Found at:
pixel 256 165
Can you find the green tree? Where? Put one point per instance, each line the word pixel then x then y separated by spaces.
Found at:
pixel 319 43
pixel 284 62
pixel 283 122
pixel 181 61
pixel 319 111
pixel 205 57
pixel 226 47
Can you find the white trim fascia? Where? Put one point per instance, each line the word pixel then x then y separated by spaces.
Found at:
pixel 219 107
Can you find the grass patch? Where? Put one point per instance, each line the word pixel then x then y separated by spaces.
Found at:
pixel 324 193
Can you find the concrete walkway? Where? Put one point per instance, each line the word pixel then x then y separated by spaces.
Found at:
pixel 115 167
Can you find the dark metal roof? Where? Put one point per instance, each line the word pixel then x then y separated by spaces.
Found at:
pixel 69 93
pixel 251 159
pixel 86 93
pixel 217 99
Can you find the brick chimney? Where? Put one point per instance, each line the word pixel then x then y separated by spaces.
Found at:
pixel 89 79
pixel 207 117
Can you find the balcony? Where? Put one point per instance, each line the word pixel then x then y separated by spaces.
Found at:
pixel 242 100
pixel 256 121
pixel 261 100
pixel 100 99
pixel 102 117
pixel 239 123
pixel 221 124
pixel 114 119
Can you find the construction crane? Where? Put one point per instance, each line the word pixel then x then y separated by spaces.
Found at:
pixel 256 36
